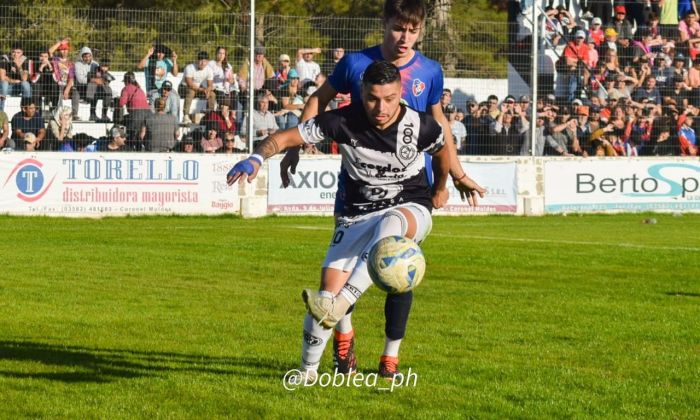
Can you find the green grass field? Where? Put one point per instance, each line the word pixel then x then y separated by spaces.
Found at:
pixel 195 317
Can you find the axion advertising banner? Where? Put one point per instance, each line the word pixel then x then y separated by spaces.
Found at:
pixel 623 185
pixel 312 189
pixel 89 184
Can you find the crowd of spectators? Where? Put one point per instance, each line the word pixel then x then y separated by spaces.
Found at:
pixel 150 118
pixel 628 77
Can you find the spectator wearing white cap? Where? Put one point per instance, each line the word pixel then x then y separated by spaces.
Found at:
pixel 29 142
pixel 596 32
pixel 282 73
pixel 83 67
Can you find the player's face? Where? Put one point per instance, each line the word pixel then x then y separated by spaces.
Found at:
pixel 399 37
pixel 382 103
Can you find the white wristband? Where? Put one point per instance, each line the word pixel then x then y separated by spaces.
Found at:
pixel 256 158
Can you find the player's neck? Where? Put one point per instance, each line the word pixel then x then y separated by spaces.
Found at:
pixel 396 60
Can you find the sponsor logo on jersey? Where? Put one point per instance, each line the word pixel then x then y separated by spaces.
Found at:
pixel 418 87
pixel 381 170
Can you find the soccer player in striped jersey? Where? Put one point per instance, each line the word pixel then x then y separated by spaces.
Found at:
pixel 387 192
pixel 422 81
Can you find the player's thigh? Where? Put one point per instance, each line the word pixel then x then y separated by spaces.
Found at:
pixel 349 239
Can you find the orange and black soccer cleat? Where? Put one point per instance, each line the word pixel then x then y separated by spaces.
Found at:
pixel 344 352
pixel 388 366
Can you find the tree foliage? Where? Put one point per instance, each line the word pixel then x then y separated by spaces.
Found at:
pixel 470 41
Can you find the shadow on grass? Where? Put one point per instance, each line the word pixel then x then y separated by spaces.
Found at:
pixel 83 364
pixel 686 294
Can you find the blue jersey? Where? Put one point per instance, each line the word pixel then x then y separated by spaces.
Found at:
pixel 421 80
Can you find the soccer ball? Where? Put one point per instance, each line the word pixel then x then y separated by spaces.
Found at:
pixel 396 264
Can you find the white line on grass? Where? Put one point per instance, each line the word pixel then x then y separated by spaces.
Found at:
pixel 545 241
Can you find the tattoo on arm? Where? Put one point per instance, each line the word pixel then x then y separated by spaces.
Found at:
pixel 267 148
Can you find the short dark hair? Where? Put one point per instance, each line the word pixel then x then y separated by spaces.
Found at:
pixel 381 73
pixel 405 11
pixel 27 101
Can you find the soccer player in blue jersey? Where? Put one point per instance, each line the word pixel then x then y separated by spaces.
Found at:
pixel 387 192
pixel 422 84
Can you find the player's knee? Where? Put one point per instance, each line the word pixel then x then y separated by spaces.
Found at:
pixel 415 220
pixel 409 221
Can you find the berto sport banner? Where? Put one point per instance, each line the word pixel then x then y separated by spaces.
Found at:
pixel 622 184
pixel 312 189
pixel 88 184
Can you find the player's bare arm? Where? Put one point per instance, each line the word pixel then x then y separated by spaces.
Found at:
pixel 441 168
pixel 468 189
pixel 247 169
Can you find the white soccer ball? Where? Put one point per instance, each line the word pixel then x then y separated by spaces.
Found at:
pixel 396 264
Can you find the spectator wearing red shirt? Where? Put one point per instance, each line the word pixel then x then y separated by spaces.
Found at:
pixel 576 55
pixel 134 98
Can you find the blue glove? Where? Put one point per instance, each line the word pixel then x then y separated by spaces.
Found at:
pixel 244 167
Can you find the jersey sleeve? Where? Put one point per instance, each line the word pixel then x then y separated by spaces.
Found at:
pixel 431 138
pixel 436 86
pixel 340 78
pixel 315 130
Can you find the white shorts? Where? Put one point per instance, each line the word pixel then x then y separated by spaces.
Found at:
pixel 353 236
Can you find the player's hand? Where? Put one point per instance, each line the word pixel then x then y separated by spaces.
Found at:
pixel 245 169
pixel 289 164
pixel 440 197
pixel 469 190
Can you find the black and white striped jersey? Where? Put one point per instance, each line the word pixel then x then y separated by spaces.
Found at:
pixel 383 168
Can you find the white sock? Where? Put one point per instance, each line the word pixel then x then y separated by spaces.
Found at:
pixel 344 326
pixel 391 347
pixel 313 343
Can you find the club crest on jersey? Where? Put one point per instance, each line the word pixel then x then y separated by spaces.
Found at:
pixel 407 153
pixel 418 87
